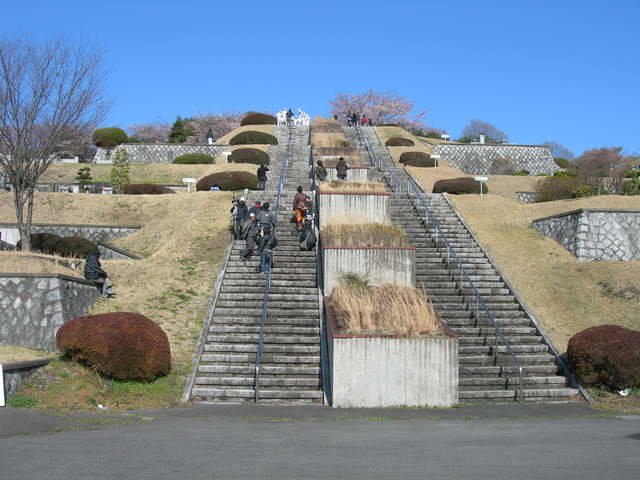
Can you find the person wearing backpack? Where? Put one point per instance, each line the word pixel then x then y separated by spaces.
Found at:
pixel 269 243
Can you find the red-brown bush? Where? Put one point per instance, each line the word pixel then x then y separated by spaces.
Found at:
pixel 228 181
pixel 606 356
pixel 145 189
pixel 459 186
pixel 121 345
pixel 399 142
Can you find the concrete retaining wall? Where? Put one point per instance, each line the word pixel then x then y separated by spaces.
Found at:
pixel 373 208
pixel 378 265
pixel 33 307
pixel 158 153
pixel 93 233
pixel 477 159
pixel 367 371
pixel 594 234
pixel 353 174
pixel 16 373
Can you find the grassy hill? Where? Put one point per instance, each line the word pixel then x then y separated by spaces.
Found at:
pixel 182 242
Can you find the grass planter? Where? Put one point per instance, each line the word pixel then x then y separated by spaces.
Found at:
pixel 370 207
pixel 388 371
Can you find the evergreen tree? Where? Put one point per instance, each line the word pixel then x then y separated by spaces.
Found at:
pixel 84 177
pixel 120 170
pixel 180 130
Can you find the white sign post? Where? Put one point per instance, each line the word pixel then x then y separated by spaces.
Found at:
pixel 481 180
pixel 435 158
pixel 1 387
pixel 226 156
pixel 188 181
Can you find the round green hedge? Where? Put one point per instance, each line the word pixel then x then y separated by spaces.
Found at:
pixel 399 142
pixel 193 159
pixel 249 155
pixel 228 181
pixel 256 118
pixel 458 186
pixel 251 137
pixel 109 137
pixel 417 159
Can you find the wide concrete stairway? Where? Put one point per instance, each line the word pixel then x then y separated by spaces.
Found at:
pixel 290 362
pixel 486 371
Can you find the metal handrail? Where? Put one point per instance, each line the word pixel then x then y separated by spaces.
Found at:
pixel 267 286
pixel 421 202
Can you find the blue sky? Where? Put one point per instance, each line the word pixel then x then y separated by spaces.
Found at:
pixel 567 71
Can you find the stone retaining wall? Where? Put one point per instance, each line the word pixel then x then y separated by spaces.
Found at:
pixel 93 233
pixel 33 307
pixel 477 159
pixel 158 153
pixel 527 197
pixel 16 373
pixel 373 208
pixel 595 234
pixel 110 252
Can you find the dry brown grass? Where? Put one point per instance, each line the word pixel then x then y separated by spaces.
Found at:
pixel 32 262
pixel 166 174
pixel 355 232
pixel 20 354
pixel 566 296
pixel 385 310
pixel 329 140
pixel 224 140
pixel 327 125
pixel 337 186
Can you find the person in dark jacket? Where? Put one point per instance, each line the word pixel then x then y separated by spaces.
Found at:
pixel 262 176
pixel 321 172
pixel 269 243
pixel 249 230
pixel 241 213
pixel 210 137
pixel 256 208
pixel 289 116
pixel 341 169
pixel 93 271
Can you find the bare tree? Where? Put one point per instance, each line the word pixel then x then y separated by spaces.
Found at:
pixel 155 132
pixel 603 169
pixel 219 123
pixel 47 91
pixel 558 150
pixel 380 107
pixel 476 127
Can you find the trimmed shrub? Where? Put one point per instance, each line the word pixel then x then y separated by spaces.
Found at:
pixel 550 189
pixel 255 118
pixel 399 142
pixel 562 162
pixel 252 137
pixel 121 345
pixel 521 173
pixel 51 244
pixel 417 159
pixel 631 187
pixel 249 155
pixel 564 173
pixel 145 189
pixel 459 186
pixel 193 159
pixel 109 137
pixel 228 181
pixel 606 356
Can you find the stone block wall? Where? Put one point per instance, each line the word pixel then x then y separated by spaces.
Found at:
pixel 477 159
pixel 34 307
pixel 16 373
pixel 594 234
pixel 94 233
pixel 158 153
pixel 109 252
pixel 527 197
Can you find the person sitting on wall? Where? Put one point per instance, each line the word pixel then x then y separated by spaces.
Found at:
pixel 341 169
pixel 321 172
pixel 93 271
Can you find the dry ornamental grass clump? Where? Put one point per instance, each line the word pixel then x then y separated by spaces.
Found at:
pixel 326 125
pixel 363 235
pixel 385 310
pixel 337 186
pixel 30 262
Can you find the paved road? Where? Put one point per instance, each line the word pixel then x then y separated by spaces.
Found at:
pixel 313 442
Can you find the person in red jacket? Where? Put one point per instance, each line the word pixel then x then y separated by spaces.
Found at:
pixel 299 207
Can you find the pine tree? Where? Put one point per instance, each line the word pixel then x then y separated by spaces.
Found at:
pixel 180 130
pixel 84 177
pixel 120 170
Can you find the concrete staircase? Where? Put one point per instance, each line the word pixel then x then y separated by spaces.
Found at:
pixel 290 363
pixel 483 376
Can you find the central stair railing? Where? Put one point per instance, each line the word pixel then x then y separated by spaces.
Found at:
pixel 267 286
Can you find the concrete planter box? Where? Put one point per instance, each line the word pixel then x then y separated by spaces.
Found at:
pixel 33 307
pixel 396 266
pixel 377 371
pixel 353 174
pixel 372 207
pixel 16 373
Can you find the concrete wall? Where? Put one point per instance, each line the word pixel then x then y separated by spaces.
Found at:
pixel 16 373
pixel 94 233
pixel 477 159
pixel 33 307
pixel 373 208
pixel 378 265
pixel 594 234
pixel 353 174
pixel 158 153
pixel 368 371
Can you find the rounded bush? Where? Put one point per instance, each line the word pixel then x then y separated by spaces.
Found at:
pixel 252 137
pixel 145 189
pixel 562 162
pixel 121 345
pixel 631 187
pixel 193 159
pixel 557 188
pixel 256 118
pixel 458 186
pixel 51 244
pixel 417 159
pixel 249 155
pixel 228 181
pixel 399 142
pixel 606 356
pixel 109 137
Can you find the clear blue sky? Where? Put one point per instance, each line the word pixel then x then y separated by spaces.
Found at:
pixel 567 71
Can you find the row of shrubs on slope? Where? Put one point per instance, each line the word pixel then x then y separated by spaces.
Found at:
pixel 51 244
